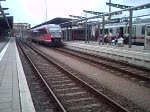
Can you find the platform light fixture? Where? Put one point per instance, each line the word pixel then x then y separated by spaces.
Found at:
pixel 102 13
pixel 145 6
pixel 5 14
pixel 118 5
pixel 93 12
pixel 5 8
pixel 78 17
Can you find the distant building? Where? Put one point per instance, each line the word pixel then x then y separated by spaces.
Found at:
pixel 6 22
pixel 20 30
pixel 21 26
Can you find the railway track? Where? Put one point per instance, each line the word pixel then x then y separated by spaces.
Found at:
pixel 71 93
pixel 142 74
pixel 41 95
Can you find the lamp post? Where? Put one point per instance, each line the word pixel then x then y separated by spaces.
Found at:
pixel 109 9
pixel 46 9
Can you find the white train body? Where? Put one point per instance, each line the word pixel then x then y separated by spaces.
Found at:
pixel 138 31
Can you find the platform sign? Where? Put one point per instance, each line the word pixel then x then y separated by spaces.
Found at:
pixel 147 37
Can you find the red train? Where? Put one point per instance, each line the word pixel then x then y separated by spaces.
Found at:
pixel 48 34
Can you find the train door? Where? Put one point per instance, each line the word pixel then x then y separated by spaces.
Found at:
pixel 147 37
pixel 121 32
pixel 65 35
pixel 134 34
pixel 70 34
pixel 134 31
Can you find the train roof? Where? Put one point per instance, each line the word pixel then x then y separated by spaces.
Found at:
pixel 57 21
pixel 45 26
pixel 51 25
pixel 124 24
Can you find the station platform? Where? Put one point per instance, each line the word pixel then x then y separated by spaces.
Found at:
pixel 14 92
pixel 3 43
pixel 135 55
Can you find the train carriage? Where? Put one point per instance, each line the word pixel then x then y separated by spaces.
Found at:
pixel 138 32
pixel 47 34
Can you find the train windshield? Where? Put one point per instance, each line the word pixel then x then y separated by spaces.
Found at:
pixel 55 31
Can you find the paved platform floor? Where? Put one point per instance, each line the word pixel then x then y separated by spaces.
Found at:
pixel 14 92
pixel 125 47
pixel 136 55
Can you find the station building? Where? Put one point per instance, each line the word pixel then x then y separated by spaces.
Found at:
pixel 21 26
pixel 21 29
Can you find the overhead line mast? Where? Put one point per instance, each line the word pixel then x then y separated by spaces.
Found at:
pixel 109 10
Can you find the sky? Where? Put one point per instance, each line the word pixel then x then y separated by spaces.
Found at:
pixel 34 11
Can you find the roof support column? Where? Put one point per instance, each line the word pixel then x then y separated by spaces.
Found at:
pixel 70 33
pixel 130 28
pixel 67 34
pixel 103 29
pixel 86 31
pixel 99 32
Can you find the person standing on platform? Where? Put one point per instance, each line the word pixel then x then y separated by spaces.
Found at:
pixel 116 38
pixel 120 42
pixel 105 38
pixel 112 40
pixel 126 39
pixel 109 38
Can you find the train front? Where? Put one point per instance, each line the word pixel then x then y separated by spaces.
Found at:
pixel 55 35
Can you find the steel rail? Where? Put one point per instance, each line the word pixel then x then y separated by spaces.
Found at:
pixel 113 67
pixel 62 109
pixel 97 94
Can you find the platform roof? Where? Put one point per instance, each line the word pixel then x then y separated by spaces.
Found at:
pixel 6 22
pixel 57 20
pixel 3 24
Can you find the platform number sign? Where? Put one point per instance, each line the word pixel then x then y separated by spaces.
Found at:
pixel 147 37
